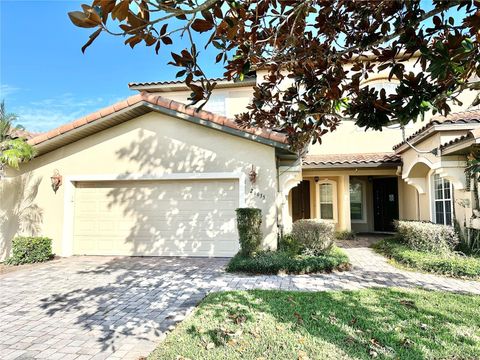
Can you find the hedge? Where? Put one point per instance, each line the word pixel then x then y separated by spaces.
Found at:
pixel 274 262
pixel 27 250
pixel 450 264
pixel 426 236
pixel 249 221
pixel 313 236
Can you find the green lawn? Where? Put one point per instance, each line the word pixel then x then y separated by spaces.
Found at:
pixel 374 323
pixel 274 262
pixel 452 264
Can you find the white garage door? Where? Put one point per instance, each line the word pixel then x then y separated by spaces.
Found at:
pixel 156 218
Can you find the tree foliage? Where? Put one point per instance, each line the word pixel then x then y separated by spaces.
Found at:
pixel 323 49
pixel 13 149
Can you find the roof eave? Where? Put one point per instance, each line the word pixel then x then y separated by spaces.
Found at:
pixel 352 166
pixel 91 128
pixel 138 109
pixel 431 131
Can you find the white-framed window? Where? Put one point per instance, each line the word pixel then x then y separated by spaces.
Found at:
pixel 390 87
pixel 442 200
pixel 327 200
pixel 216 104
pixel 357 201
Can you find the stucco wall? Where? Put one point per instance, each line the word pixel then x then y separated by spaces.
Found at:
pixel 151 144
pixel 349 138
pixel 236 99
pixel 418 169
pixel 408 201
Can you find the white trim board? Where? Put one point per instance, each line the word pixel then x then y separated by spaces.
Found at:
pixel 68 210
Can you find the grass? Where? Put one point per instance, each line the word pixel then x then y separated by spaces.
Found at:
pixel 376 323
pixel 453 265
pixel 274 262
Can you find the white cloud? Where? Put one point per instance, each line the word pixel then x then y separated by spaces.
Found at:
pixel 46 114
pixel 6 90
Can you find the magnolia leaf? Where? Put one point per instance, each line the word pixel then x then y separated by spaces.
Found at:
pixel 79 19
pixel 167 40
pixel 476 101
pixel 120 11
pixel 91 39
pixel 200 25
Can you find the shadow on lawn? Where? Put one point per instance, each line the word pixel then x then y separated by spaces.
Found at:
pixel 387 323
pixel 140 298
pixel 136 297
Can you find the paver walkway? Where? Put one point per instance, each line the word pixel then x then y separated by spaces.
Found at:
pixel 119 308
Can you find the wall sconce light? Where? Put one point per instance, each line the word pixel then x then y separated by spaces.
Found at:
pixel 56 180
pixel 316 178
pixel 252 175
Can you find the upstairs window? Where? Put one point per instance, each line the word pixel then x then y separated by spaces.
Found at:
pixel 390 87
pixel 216 104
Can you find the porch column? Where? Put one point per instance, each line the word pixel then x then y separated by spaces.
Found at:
pixel 344 222
pixel 289 178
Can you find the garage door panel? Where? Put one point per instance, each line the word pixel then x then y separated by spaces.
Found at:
pixel 195 217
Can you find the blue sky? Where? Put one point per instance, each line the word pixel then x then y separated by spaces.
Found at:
pixel 45 78
pixel 47 81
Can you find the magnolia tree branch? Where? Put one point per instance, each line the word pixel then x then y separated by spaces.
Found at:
pixel 323 50
pixel 400 31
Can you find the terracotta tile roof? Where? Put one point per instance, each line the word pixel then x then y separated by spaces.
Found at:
pixel 181 82
pixel 456 140
pixel 473 134
pixel 158 101
pixel 466 115
pixel 19 133
pixel 351 159
pixel 463 117
pixel 168 82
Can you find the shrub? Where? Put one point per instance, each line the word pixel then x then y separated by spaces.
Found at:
pixel 345 235
pixel 27 250
pixel 470 242
pixel 274 262
pixel 314 236
pixel 249 221
pixel 447 264
pixel 289 244
pixel 425 236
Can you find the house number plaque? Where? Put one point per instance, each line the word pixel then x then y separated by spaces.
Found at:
pixel 257 193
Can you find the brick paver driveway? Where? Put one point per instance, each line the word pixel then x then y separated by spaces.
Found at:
pixel 104 307
pixel 98 307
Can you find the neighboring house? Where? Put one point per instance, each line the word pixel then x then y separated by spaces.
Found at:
pixel 149 176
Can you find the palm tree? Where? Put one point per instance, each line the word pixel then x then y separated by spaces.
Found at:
pixel 13 149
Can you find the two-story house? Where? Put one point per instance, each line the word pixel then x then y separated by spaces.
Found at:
pixel 151 176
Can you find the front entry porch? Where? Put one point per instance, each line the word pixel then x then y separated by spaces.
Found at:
pixel 363 201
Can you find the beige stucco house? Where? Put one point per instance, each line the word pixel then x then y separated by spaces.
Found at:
pixel 150 176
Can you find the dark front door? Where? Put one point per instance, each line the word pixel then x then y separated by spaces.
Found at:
pixel 301 201
pixel 385 203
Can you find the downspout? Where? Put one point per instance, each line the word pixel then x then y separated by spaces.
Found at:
pixel 278 213
pixel 418 204
pixel 434 151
